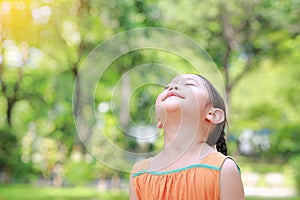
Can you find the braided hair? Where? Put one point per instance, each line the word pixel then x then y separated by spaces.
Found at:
pixel 217 137
pixel 221 143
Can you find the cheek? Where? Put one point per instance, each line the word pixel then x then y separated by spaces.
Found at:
pixel 159 109
pixel 158 102
pixel 197 102
pixel 159 98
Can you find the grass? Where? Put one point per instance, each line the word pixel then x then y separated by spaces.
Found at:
pixel 28 192
pixel 283 198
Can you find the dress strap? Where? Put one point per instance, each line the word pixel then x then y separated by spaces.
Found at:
pixel 215 159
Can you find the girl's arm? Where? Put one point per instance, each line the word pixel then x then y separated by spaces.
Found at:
pixel 231 187
pixel 132 194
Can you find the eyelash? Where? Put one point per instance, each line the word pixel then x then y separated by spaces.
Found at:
pixel 190 84
pixel 187 84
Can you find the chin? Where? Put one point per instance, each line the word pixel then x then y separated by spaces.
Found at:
pixel 165 108
pixel 172 107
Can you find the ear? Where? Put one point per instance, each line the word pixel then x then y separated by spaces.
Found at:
pixel 215 115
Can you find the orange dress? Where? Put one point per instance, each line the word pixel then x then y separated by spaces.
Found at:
pixel 199 181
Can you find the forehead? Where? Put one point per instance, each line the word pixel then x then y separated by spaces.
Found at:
pixel 188 77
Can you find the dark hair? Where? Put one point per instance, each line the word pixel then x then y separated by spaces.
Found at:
pixel 217 137
pixel 221 142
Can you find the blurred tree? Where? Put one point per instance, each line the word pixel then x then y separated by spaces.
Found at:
pixel 15 64
pixel 43 43
pixel 272 93
pixel 239 34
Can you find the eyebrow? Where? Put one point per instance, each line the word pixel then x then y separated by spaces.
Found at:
pixel 193 79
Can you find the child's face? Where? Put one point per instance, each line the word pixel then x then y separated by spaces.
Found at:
pixel 187 92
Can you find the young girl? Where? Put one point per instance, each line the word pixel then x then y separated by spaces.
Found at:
pixel 193 163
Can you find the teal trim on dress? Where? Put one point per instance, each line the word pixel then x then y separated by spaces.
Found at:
pixel 176 170
pixel 238 167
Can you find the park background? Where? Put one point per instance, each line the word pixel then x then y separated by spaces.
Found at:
pixel 255 45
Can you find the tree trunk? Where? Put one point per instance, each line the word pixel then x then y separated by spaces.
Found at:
pixel 82 124
pixel 125 99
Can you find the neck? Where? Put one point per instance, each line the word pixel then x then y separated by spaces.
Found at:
pixel 183 137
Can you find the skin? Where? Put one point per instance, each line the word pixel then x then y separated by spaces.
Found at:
pixel 187 116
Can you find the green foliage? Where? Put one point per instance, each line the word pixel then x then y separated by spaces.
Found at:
pixel 10 159
pixel 80 173
pixel 285 142
pixel 87 172
pixel 9 155
pixel 295 164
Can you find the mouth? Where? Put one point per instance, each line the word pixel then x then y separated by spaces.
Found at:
pixel 172 94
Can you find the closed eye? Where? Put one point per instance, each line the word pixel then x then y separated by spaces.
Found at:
pixel 190 84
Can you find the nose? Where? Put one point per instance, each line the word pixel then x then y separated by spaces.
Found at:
pixel 174 87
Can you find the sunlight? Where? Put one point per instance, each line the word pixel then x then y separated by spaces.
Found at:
pixel 5 8
pixel 42 14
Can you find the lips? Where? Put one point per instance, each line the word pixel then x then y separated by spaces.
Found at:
pixel 172 94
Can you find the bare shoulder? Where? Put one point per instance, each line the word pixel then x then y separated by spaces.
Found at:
pixel 137 167
pixel 231 186
pixel 230 166
pixel 140 165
